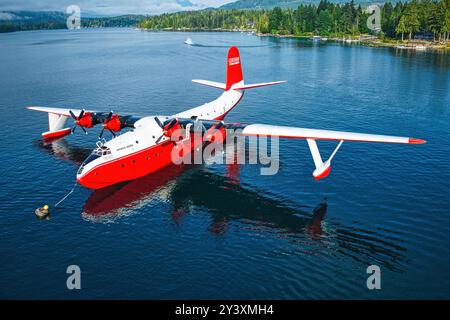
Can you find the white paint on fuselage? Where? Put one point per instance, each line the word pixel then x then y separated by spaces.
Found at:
pixel 213 109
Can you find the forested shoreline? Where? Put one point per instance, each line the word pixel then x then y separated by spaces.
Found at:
pixel 57 20
pixel 398 21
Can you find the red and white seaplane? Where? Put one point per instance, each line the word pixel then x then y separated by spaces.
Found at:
pixel 147 147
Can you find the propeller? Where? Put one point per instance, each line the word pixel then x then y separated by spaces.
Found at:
pixel 159 122
pixel 165 128
pixel 218 126
pixel 110 114
pixel 77 120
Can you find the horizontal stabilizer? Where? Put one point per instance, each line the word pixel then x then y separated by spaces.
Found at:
pixel 237 86
pixel 256 85
pixel 213 84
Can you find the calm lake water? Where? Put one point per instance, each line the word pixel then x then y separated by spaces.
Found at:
pixel 216 231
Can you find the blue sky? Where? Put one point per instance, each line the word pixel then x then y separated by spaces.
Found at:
pixel 109 7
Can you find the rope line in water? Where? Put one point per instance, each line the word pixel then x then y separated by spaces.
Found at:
pixel 64 198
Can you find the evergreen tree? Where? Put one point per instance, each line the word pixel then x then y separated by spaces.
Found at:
pixel 411 14
pixel 275 18
pixel 325 18
pixel 263 23
pixel 401 27
pixel 324 22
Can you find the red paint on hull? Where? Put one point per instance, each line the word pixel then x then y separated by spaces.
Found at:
pixel 129 167
pixel 133 166
pixel 138 164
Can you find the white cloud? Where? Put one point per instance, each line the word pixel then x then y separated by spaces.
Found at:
pixel 8 16
pixel 109 7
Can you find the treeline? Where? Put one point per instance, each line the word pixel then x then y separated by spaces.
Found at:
pixel 205 19
pixel 112 22
pixel 12 27
pixel 58 21
pixel 326 18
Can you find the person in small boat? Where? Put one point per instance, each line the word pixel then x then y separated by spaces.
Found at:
pixel 42 212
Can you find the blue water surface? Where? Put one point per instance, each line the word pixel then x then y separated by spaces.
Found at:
pixel 217 231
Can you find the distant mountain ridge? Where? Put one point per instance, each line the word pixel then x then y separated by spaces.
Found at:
pixel 32 16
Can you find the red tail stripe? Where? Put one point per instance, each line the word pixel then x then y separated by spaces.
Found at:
pixel 234 69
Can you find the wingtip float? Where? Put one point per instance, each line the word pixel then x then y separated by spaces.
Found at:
pixel 146 148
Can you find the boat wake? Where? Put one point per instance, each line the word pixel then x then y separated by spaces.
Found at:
pixel 191 43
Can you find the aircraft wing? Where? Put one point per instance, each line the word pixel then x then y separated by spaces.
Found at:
pixel 310 135
pixel 57 118
pixel 57 111
pixel 316 134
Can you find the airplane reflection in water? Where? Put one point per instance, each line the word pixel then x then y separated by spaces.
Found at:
pixel 193 189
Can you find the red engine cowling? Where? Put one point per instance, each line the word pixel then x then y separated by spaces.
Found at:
pixel 113 124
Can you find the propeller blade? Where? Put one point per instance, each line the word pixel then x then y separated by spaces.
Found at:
pixel 73 129
pixel 84 130
pixel 101 133
pixel 159 139
pixel 112 132
pixel 81 114
pixel 171 124
pixel 199 126
pixel 217 127
pixel 72 115
pixel 110 114
pixel 159 122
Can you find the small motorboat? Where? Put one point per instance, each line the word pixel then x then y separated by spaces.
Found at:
pixel 189 41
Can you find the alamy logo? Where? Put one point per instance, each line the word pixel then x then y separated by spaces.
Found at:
pixel 74 280
pixel 217 147
pixel 233 61
pixel 74 19
pixel 374 280
pixel 374 20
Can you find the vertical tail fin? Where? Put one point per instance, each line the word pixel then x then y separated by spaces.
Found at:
pixel 234 69
pixel 234 78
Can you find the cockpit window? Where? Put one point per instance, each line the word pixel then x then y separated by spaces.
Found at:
pixel 98 152
pixel 101 151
